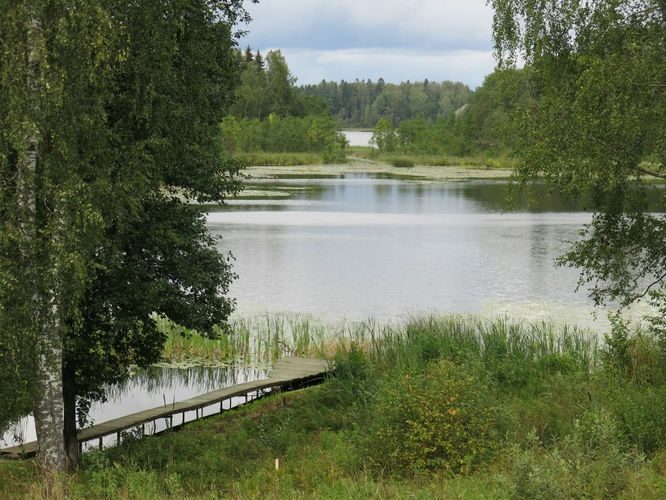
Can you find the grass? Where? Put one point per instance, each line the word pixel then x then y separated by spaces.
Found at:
pixel 479 161
pixel 399 160
pixel 439 407
pixel 257 340
pixel 280 159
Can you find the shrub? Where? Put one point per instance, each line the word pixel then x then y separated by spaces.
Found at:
pixel 440 419
pixel 635 355
pixel 402 163
pixel 588 463
pixel 640 411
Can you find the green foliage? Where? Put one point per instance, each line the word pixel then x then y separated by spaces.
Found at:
pixel 402 163
pixel 597 128
pixel 315 134
pixel 336 149
pixel 430 409
pixel 266 87
pixel 116 238
pixel 634 354
pixel 640 413
pixel 384 136
pixel 279 159
pixel 483 126
pixel 361 104
pixel 437 420
pixel 588 463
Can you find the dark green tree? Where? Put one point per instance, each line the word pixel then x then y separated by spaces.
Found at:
pixel 279 84
pixel 108 127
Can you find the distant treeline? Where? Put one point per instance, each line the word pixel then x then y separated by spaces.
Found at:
pixel 271 114
pixel 266 86
pixel 268 116
pixel 483 125
pixel 362 103
pixel 290 134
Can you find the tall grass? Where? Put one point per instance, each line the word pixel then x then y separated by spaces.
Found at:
pixel 262 339
pixel 255 340
pixel 435 407
pixel 480 160
pixel 280 159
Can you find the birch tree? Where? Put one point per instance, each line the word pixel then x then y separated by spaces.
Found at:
pixel 108 124
pixel 597 126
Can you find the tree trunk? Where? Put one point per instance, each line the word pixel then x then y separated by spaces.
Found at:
pixel 48 407
pixel 48 399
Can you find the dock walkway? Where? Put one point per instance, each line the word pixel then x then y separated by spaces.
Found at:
pixel 286 374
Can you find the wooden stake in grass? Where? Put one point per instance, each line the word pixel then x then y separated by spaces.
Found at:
pixel 277 464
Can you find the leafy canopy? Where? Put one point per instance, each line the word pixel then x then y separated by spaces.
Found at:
pixel 596 125
pixel 126 112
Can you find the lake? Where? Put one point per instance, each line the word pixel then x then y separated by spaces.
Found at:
pixel 356 246
pixel 358 137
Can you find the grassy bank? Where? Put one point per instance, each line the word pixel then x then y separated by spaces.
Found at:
pixel 279 159
pixel 441 407
pixel 369 154
pixel 478 161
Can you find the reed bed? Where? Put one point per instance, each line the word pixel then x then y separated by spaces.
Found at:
pixel 260 340
pixel 467 338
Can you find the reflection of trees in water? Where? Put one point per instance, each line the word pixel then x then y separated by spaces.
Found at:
pixel 499 196
pixel 157 379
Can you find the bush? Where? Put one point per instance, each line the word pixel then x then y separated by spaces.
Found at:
pixel 402 163
pixel 588 463
pixel 440 419
pixel 640 411
pixel 634 355
pixel 335 150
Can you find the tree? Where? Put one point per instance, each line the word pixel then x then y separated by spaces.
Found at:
pixel 384 136
pixel 108 127
pixel 279 83
pixel 596 125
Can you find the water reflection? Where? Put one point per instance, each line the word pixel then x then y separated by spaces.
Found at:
pixel 359 246
pixel 151 388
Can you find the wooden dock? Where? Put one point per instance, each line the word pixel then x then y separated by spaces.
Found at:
pixel 288 373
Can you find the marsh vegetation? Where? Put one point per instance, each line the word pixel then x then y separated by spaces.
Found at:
pixel 436 407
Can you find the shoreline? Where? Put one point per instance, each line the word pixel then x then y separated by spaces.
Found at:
pixel 362 166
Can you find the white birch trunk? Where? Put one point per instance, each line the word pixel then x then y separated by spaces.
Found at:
pixel 48 402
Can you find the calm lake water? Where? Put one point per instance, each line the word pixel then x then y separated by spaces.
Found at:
pixel 358 137
pixel 361 246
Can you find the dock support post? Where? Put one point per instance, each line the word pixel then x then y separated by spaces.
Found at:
pixel 100 443
pixel 117 438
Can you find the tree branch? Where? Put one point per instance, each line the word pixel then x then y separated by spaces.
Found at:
pixel 646 171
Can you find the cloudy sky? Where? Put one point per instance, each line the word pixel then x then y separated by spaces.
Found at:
pixel 395 39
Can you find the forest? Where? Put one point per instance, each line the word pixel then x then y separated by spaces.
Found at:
pixel 270 113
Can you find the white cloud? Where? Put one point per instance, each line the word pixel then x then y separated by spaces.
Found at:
pixel 377 37
pixel 312 66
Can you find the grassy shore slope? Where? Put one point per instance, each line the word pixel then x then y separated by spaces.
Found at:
pixel 441 407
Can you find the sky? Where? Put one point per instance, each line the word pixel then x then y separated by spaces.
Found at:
pixel 397 40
